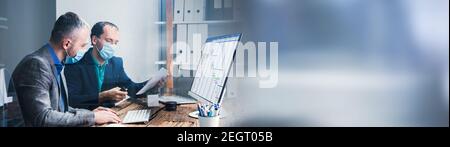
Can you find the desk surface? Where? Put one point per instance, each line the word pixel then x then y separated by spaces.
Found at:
pixel 161 118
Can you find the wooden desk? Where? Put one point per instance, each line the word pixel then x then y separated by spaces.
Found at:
pixel 161 118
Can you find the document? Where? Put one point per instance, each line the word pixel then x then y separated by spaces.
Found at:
pixel 160 75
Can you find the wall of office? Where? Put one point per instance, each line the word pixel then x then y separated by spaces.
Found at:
pixel 139 35
pixel 26 26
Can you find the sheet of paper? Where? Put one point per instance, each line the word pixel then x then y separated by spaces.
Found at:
pixel 120 102
pixel 160 75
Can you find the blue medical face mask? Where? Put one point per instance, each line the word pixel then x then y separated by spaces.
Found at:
pixel 107 51
pixel 73 60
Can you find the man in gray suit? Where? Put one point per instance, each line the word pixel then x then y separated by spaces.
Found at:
pixel 41 88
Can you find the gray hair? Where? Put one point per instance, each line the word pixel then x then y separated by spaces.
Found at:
pixel 66 25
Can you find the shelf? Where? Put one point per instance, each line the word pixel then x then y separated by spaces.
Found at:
pixel 198 22
pixel 164 63
pixel 174 63
pixel 177 64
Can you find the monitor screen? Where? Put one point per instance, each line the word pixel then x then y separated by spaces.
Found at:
pixel 212 72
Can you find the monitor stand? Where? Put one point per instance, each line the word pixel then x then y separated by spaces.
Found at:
pixel 179 99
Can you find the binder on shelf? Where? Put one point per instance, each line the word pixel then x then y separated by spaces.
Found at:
pixel 197 35
pixel 178 10
pixel 199 10
pixel 192 28
pixel 189 10
pixel 181 48
pixel 202 30
pixel 190 37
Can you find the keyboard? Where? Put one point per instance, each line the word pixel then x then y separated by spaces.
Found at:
pixel 178 99
pixel 137 116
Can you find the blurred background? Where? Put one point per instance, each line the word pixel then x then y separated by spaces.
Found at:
pixel 381 63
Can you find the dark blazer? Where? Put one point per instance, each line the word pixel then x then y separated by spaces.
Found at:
pixel 82 81
pixel 39 94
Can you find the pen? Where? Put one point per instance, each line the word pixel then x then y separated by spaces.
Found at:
pixel 204 111
pixel 199 110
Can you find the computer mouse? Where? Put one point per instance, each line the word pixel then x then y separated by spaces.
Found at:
pixel 171 106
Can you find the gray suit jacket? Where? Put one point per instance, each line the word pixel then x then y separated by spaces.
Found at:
pixel 39 94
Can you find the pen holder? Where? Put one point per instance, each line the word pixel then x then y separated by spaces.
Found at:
pixel 209 121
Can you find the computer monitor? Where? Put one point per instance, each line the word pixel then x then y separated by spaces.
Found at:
pixel 214 66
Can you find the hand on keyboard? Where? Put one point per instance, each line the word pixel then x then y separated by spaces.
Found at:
pixel 103 117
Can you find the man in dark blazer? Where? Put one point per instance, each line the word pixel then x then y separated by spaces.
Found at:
pixel 40 85
pixel 98 78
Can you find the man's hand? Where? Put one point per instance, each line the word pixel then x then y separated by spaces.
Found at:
pixel 105 109
pixel 113 94
pixel 161 83
pixel 103 116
